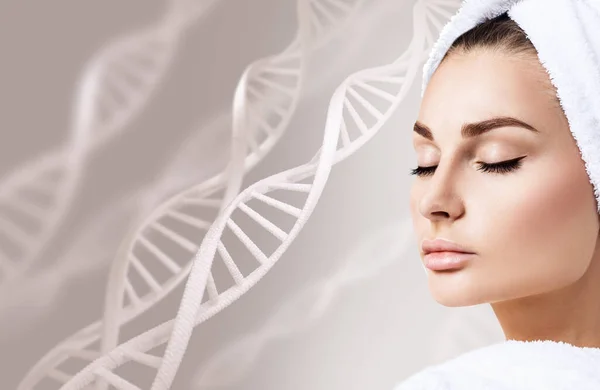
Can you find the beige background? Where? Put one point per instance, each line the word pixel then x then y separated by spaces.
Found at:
pixel 374 332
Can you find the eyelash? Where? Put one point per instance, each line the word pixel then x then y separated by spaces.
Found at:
pixel 501 167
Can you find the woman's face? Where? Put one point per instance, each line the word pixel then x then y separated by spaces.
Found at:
pixel 533 226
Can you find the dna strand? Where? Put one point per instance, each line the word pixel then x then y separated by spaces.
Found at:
pixel 382 248
pixel 264 100
pixel 117 83
pixel 35 296
pixel 90 249
pixel 345 132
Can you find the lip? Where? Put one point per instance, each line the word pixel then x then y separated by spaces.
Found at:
pixel 442 255
pixel 442 245
pixel 448 260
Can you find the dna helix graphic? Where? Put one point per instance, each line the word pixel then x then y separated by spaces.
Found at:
pixel 191 311
pixel 268 91
pixel 96 241
pixel 116 84
pixel 367 259
pixel 352 119
pixel 264 101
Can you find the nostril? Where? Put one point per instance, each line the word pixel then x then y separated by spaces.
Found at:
pixel 441 214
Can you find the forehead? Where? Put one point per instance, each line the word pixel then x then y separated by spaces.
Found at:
pixel 475 86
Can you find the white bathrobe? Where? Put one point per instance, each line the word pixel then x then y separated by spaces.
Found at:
pixel 513 365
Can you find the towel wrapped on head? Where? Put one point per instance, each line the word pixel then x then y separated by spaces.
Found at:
pixel 566 35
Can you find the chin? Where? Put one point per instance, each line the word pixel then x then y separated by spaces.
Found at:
pixel 453 300
pixel 452 289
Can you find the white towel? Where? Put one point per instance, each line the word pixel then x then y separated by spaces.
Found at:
pixel 514 365
pixel 566 34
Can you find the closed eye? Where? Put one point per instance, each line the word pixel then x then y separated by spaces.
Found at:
pixel 502 167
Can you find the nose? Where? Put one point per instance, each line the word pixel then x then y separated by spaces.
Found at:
pixel 441 199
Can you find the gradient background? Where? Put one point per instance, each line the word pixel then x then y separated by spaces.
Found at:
pixel 374 332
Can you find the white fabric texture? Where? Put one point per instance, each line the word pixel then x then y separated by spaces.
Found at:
pixel 566 35
pixel 514 365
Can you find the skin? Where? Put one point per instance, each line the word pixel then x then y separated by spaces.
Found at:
pixel 535 229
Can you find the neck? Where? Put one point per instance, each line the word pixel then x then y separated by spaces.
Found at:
pixel 570 314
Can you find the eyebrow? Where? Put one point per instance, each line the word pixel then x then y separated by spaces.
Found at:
pixel 474 129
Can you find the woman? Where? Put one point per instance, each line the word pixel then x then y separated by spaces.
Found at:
pixel 505 200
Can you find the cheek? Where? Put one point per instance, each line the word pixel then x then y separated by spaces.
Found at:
pixel 542 230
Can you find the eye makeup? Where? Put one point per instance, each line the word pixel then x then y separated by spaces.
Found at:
pixel 502 167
